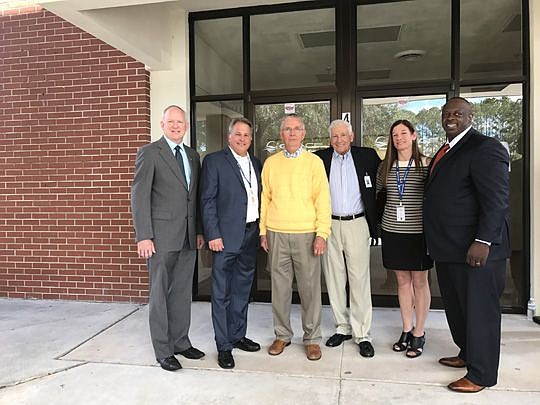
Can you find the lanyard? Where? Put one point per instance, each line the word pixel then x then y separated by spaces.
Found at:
pixel 243 174
pixel 401 183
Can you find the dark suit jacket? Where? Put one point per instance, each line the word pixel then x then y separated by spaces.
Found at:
pixel 365 161
pixel 161 204
pixel 224 198
pixel 467 198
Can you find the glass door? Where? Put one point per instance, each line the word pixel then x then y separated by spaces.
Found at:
pixel 267 141
pixel 377 115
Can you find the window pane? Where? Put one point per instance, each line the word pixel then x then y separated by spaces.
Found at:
pixel 403 41
pixel 316 116
pixel 218 56
pixel 490 41
pixel 378 114
pixel 498 112
pixel 424 112
pixel 211 128
pixel 212 124
pixel 291 50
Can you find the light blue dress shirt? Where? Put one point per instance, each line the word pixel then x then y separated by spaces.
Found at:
pixel 187 166
pixel 344 187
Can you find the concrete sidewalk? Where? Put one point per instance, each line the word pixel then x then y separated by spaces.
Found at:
pixel 56 352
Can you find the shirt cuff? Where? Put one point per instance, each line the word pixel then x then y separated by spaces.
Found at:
pixel 483 241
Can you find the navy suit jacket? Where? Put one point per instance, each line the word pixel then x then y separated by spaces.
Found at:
pixel 466 198
pixel 224 198
pixel 365 161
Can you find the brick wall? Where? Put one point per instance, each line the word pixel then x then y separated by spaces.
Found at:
pixel 73 112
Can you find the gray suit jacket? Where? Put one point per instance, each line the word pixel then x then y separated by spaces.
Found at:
pixel 161 204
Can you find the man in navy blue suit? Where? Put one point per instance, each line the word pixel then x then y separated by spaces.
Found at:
pixel 466 222
pixel 230 193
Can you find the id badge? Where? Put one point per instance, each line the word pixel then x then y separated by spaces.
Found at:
pixel 367 180
pixel 400 213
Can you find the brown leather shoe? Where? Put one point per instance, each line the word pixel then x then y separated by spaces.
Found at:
pixel 465 385
pixel 455 362
pixel 313 352
pixel 277 347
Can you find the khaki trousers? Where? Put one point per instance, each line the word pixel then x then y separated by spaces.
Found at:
pixel 291 255
pixel 349 242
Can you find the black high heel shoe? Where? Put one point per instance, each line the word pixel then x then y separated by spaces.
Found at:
pixel 416 346
pixel 403 343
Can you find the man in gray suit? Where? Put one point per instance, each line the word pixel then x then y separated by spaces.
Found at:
pixel 163 205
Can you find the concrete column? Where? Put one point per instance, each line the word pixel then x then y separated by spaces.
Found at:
pixel 171 86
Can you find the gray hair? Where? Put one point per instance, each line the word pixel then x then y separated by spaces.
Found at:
pixel 242 120
pixel 335 123
pixel 291 116
pixel 171 107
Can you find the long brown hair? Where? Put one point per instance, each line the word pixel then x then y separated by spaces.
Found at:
pixel 391 151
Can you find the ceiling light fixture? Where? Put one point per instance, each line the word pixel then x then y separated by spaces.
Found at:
pixel 410 55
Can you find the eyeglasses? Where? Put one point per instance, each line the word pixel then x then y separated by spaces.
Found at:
pixel 295 129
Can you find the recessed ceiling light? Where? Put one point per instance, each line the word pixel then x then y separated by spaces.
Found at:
pixel 410 55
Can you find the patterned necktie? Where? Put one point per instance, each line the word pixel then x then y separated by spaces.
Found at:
pixel 439 156
pixel 180 160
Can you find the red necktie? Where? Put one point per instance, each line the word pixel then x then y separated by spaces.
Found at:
pixel 439 155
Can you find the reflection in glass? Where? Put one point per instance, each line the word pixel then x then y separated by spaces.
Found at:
pixel 501 29
pixel 294 49
pixel 316 116
pixel 218 56
pixel 211 127
pixel 498 113
pixel 403 41
pixel 424 112
pixel 378 114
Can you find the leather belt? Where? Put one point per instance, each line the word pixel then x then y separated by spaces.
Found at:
pixel 250 224
pixel 347 217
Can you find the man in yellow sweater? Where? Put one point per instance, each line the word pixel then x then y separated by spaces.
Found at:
pixel 295 222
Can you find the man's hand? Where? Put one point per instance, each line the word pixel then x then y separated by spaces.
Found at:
pixel 319 246
pixel 216 245
pixel 200 241
pixel 145 248
pixel 264 243
pixel 477 254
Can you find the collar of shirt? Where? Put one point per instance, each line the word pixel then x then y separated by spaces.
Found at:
pixel 238 157
pixel 295 154
pixel 346 156
pixel 458 138
pixel 173 145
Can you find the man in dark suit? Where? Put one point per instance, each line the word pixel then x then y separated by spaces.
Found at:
pixel 466 221
pixel 351 172
pixel 230 193
pixel 163 205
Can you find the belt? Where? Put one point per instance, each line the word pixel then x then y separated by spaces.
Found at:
pixel 347 217
pixel 250 224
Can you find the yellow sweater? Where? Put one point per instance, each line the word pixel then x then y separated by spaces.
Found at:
pixel 295 195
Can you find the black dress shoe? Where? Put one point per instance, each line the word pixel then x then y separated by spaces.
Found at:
pixel 366 349
pixel 191 353
pixel 225 359
pixel 247 345
pixel 169 363
pixel 336 339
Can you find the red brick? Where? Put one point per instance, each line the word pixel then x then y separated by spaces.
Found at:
pixel 66 226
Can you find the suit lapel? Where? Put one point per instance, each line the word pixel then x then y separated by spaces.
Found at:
pixel 234 165
pixel 166 154
pixel 449 155
pixel 360 171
